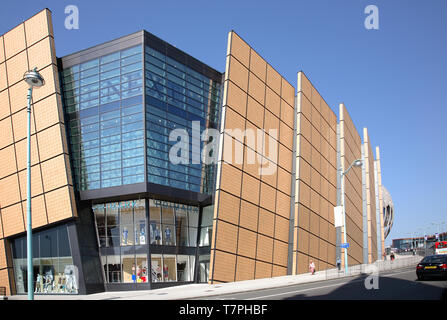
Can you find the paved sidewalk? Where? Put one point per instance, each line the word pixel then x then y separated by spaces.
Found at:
pixel 201 290
pixel 189 291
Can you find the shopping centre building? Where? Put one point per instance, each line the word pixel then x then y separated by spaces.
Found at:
pixel 150 168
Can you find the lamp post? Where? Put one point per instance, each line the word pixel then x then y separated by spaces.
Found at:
pixel 441 232
pixel 355 163
pixel 33 79
pixel 421 231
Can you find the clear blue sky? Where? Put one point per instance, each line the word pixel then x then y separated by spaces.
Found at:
pixel 392 80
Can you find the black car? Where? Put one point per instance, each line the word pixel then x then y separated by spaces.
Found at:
pixel 435 265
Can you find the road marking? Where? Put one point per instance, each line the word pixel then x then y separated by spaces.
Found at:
pixel 322 287
pixel 297 291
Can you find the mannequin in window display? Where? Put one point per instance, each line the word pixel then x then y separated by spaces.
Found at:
pixel 168 235
pixel 124 236
pixel 63 283
pixel 48 279
pixel 157 235
pixel 144 274
pixel 158 270
pixel 69 283
pixel 152 232
pixel 134 276
pixel 142 233
pixel 48 283
pixel 56 283
pixel 39 283
pixel 70 279
pixel 166 273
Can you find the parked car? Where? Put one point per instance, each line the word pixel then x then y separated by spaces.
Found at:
pixel 432 266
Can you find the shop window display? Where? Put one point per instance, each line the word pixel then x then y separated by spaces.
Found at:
pixel 122 228
pixel 125 232
pixel 185 268
pixel 126 268
pixel 140 225
pixel 121 223
pixel 169 268
pixel 156 268
pixel 53 267
pixel 142 275
pixel 112 268
pixel 155 225
pixel 173 224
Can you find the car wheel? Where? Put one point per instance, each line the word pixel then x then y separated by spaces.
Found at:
pixel 420 277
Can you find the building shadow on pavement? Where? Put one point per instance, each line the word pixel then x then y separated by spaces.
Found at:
pixel 389 288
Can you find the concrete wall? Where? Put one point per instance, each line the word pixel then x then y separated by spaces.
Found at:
pixel 254 176
pixel 315 180
pixel 350 150
pixel 29 45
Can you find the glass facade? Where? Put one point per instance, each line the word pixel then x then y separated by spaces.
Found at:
pixel 177 96
pixel 206 226
pixel 121 109
pixel 53 267
pixel 173 224
pixel 171 267
pixel 103 102
pixel 121 223
pixel 122 231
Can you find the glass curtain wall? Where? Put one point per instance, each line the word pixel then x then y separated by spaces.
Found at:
pixel 121 228
pixel 122 237
pixel 103 103
pixel 177 96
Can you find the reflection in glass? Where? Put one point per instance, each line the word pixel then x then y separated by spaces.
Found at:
pixel 169 268
pixel 127 234
pixel 204 268
pixel 129 268
pixel 155 224
pixel 103 88
pixel 192 237
pixel 114 268
pixel 206 226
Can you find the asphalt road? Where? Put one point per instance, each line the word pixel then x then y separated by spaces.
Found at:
pixel 400 284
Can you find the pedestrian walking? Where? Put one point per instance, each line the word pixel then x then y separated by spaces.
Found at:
pixel 338 264
pixel 312 267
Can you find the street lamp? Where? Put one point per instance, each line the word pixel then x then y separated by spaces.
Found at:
pixel 441 232
pixel 33 79
pixel 356 163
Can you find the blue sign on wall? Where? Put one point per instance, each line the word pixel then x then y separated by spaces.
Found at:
pixel 344 245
